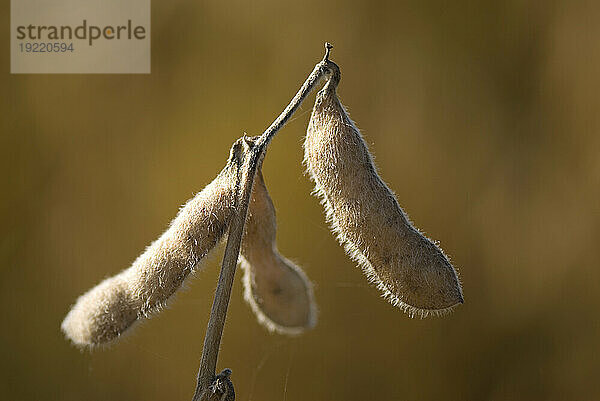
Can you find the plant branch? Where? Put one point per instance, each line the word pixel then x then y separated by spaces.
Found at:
pixel 214 331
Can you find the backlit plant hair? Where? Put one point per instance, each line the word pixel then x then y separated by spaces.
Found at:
pixel 103 313
pixel 410 269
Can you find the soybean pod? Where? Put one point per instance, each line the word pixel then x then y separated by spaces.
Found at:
pixel 412 272
pixel 276 289
pixel 107 310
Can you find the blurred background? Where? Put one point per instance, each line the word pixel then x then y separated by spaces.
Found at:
pixel 483 118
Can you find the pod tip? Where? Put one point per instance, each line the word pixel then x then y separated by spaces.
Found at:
pixel 328 47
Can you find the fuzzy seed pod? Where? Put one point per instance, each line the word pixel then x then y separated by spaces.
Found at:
pixel 410 270
pixel 277 290
pixel 107 310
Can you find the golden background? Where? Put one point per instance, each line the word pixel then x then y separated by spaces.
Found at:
pixel 483 118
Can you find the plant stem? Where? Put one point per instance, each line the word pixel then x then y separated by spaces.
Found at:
pixel 214 331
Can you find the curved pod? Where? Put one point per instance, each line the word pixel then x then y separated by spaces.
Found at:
pixel 103 313
pixel 411 271
pixel 276 289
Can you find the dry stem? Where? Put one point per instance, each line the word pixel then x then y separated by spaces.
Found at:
pixel 214 331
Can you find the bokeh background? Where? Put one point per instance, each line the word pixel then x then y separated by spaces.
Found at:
pixel 483 117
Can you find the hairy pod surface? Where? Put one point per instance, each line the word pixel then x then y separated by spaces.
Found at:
pixel 107 310
pixel 411 271
pixel 276 289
